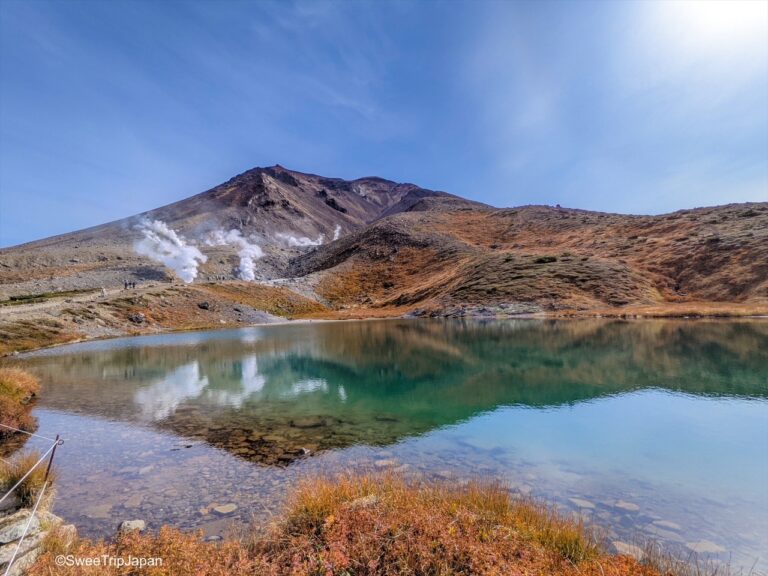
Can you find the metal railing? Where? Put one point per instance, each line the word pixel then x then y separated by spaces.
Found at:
pixel 48 455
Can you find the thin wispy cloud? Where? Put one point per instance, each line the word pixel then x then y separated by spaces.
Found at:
pixel 119 106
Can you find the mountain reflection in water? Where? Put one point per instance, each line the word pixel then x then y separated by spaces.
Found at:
pixel 273 394
pixel 651 428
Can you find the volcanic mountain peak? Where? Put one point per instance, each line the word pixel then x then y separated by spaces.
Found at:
pixel 270 212
pixel 371 243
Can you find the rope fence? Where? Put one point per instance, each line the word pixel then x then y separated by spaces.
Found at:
pixel 47 455
pixel 26 529
pixel 28 433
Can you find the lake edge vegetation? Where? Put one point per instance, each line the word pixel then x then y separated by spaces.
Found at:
pixel 18 390
pixel 376 525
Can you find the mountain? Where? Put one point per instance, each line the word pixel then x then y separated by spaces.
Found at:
pixel 440 256
pixel 274 207
pixel 278 242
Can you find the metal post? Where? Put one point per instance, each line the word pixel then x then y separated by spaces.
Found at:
pixel 50 460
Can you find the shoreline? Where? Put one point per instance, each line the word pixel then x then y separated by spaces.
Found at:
pixel 158 309
pixel 606 315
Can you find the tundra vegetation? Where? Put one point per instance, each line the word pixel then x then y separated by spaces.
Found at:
pixel 18 390
pixel 378 525
pixel 13 470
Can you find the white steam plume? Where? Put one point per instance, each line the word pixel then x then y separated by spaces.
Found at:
pixel 301 242
pixel 248 252
pixel 337 232
pixel 162 244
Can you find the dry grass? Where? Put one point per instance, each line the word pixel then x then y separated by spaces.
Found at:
pixel 17 392
pixel 677 310
pixel 30 334
pixel 276 300
pixel 41 297
pixel 580 262
pixel 377 526
pixel 13 470
pixel 405 277
pixel 385 525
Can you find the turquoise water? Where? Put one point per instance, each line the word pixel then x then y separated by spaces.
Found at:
pixel 649 429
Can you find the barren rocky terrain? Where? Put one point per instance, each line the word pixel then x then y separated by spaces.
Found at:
pixel 272 243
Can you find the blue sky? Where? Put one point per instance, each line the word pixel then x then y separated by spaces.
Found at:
pixel 111 108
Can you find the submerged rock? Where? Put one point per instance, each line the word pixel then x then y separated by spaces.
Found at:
pixel 629 550
pixel 225 509
pixel 581 503
pixel 131 525
pixel 315 422
pixel 705 547
pixel 667 524
pixel 98 511
pixel 134 501
pixel 629 506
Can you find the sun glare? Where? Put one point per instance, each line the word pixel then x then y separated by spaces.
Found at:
pixel 717 25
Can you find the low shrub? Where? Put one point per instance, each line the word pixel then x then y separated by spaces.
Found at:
pixel 11 471
pixel 18 390
pixel 377 526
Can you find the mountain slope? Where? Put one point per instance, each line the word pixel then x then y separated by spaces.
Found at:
pixel 440 257
pixel 373 246
pixel 274 207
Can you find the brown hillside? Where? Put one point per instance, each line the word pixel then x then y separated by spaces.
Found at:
pixel 441 257
pixel 400 250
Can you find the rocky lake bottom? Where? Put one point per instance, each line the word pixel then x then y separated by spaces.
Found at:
pixel 650 431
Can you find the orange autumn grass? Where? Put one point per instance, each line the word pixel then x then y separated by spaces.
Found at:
pixel 17 391
pixel 376 526
pixel 13 470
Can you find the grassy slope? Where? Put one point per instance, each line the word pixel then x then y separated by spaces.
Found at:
pixel 273 299
pixel 553 259
pixel 164 308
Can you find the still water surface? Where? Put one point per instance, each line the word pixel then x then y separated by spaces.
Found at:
pixel 650 429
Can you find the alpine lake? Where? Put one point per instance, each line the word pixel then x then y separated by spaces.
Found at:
pixel 652 430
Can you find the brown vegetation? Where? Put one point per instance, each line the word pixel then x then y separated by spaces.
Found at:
pixel 378 526
pixel 11 471
pixel 674 310
pixel 441 259
pixel 28 334
pixel 276 300
pixel 17 391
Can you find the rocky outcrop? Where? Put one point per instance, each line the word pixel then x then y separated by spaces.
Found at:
pixel 13 521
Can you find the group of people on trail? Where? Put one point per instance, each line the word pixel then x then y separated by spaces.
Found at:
pixel 127 284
